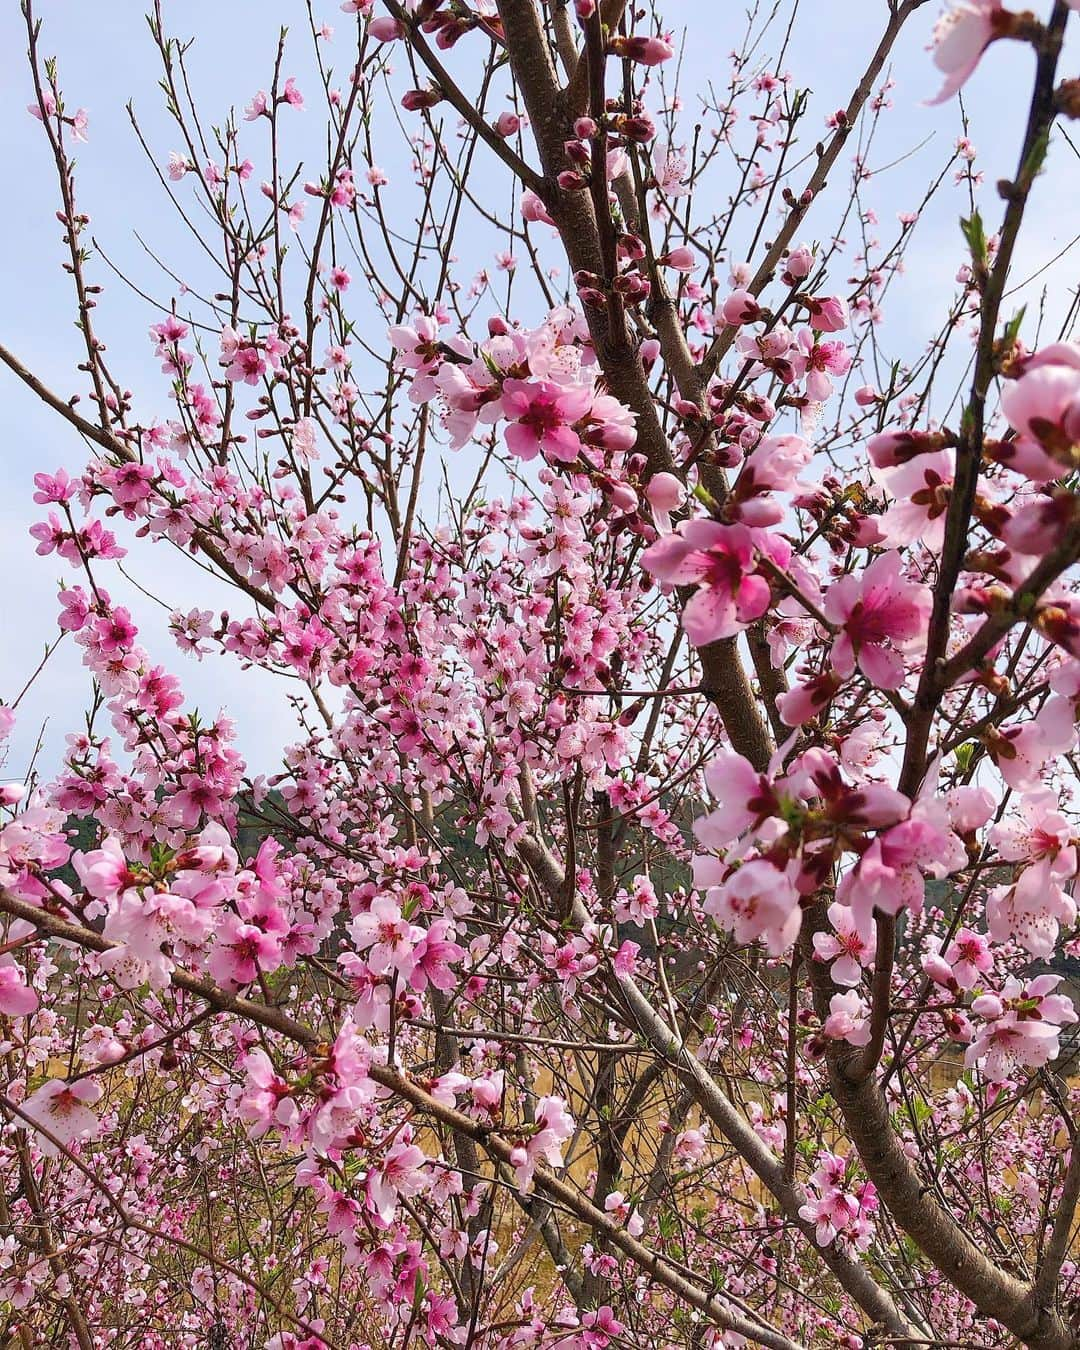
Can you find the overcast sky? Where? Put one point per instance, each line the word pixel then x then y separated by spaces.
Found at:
pixel 106 57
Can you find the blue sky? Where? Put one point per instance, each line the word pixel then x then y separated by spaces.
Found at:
pixel 106 57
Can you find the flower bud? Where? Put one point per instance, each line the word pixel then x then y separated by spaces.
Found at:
pixel 665 492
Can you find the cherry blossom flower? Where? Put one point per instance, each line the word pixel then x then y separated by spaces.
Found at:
pixel 920 489
pixel 721 560
pixel 848 1019
pixel 757 901
pixel 1043 407
pixel 1032 911
pixel 879 613
pixel 961 35
pixel 1022 1027
pixel 665 494
pixel 399 1174
pixel 63 1109
pixel 387 938
pixel 541 417
pixel 554 1126
pixel 266 1099
pixel 847 949
pixel 17 999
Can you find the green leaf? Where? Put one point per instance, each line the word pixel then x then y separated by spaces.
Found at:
pixel 974 232
pixel 1012 328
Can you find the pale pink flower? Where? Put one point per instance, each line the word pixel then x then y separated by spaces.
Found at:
pixel 757 901
pixel 103 871
pixel 1037 832
pixel 63 1109
pixel 17 999
pixel 670 169
pixel 920 489
pixel 554 1126
pixel 665 493
pixel 1043 407
pixel 889 875
pixel 848 950
pixel 743 798
pixel 961 35
pixel 619 1208
pixel 877 611
pixel 265 1100
pixel 828 313
pixel 400 1174
pixel 433 956
pixel 1023 1027
pixel 680 259
pixel 647 51
pixel 740 308
pixel 722 561
pixel 848 1019
pixel 969 957
pixel 387 938
pixel 1031 912
pixel 258 107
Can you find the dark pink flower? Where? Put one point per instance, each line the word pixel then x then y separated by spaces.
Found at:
pixel 542 416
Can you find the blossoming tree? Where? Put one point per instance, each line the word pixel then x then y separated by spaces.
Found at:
pixel 656 931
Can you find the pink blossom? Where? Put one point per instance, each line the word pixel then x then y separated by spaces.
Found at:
pixel 1043 405
pixel 400 1174
pixel 828 313
pixel 961 35
pixel 889 875
pixel 618 1207
pixel 665 493
pixel 648 51
pixel 848 950
pixel 541 415
pixel 1023 1027
pixel 681 259
pixel 387 938
pixel 1038 832
pixel 743 798
pixel 969 957
pixel 433 956
pixel 63 1109
pixel 1032 911
pixel 17 999
pixel 266 1099
pixel 921 489
pixel 554 1125
pixel 722 561
pixel 258 107
pixel 740 308
pixel 757 901
pixel 103 871
pixel 848 1019
pixel 877 612
pixel 241 951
